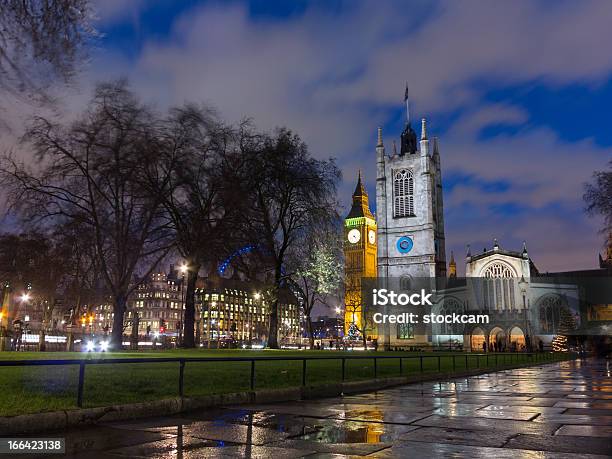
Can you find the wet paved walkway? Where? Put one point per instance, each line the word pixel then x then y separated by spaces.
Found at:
pixel 557 410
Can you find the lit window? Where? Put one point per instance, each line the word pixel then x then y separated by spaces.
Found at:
pixel 405 331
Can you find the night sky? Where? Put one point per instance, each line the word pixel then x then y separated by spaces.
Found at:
pixel 519 94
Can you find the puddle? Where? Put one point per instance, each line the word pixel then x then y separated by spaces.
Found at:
pixel 348 432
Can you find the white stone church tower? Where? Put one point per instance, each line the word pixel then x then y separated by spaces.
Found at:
pixel 409 207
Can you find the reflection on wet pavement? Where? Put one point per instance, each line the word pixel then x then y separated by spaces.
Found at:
pixel 558 410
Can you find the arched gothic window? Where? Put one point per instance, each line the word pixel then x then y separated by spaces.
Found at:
pixel 550 313
pixel 496 270
pixel 448 307
pixel 403 193
pixel 498 287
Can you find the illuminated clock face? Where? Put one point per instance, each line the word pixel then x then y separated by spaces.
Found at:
pixel 353 236
pixel 372 236
pixel 404 244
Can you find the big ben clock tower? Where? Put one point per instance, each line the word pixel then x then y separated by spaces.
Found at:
pixel 360 261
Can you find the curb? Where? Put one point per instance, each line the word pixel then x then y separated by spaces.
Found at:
pixel 60 420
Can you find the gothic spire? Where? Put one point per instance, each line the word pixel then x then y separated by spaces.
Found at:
pixel 423 129
pixel 452 266
pixel 361 206
pixel 379 142
pixel 359 189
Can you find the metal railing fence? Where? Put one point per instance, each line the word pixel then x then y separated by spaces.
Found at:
pixel 498 359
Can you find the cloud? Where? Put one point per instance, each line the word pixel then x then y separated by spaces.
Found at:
pixel 334 76
pixel 113 11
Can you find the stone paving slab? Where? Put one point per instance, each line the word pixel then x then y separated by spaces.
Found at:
pixel 458 436
pixel 574 419
pixel 588 411
pixel 562 444
pixel 485 424
pixel 161 451
pixel 586 431
pixel 354 449
pixel 524 409
pixel 445 450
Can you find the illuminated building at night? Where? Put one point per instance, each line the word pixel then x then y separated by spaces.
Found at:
pixel 236 312
pixel 360 242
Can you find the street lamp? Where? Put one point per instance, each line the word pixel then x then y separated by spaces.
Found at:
pixel 209 322
pixel 184 268
pixel 257 297
pixel 523 284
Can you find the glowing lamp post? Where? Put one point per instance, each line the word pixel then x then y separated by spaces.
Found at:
pixel 523 284
pixel 184 268
pixel 257 297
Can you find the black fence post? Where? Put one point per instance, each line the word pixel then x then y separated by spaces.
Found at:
pixel 343 369
pixel 181 377
pixel 487 360
pixel 375 368
pixel 401 369
pixel 454 363
pixel 466 361
pixel 81 384
pixel 421 358
pixel 439 367
pixel 252 374
pixel 496 360
pixel 304 372
pixel 477 361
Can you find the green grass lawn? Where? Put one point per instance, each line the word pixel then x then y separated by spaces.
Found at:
pixel 48 388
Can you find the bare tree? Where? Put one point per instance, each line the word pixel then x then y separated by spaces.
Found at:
pixel 82 287
pixel 318 270
pixel 37 264
pixel 198 197
pixel 95 173
pixel 598 197
pixel 286 192
pixel 42 42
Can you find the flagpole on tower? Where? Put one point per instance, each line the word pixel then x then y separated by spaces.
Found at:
pixel 407 102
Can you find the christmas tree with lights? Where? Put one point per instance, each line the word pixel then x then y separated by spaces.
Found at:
pixel 352 332
pixel 566 324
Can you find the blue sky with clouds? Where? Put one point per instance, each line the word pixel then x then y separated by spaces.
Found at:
pixel 519 94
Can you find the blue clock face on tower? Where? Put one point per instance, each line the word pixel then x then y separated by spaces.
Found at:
pixel 404 244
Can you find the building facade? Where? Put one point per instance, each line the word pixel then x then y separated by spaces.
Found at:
pixel 409 206
pixel 157 304
pixel 360 251
pixel 237 313
pixel 525 309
